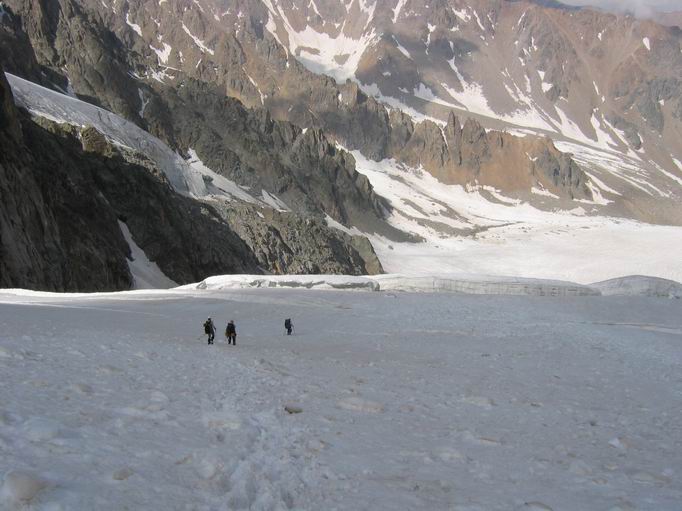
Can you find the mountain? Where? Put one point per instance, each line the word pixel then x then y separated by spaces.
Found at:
pixel 111 70
pixel 603 87
pixel 315 128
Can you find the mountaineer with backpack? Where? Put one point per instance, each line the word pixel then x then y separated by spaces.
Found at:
pixel 209 329
pixel 288 326
pixel 231 333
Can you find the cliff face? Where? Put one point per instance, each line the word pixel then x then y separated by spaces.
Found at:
pixel 61 207
pixel 50 237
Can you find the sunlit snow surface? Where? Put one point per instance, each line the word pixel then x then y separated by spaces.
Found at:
pixel 408 401
pixel 512 238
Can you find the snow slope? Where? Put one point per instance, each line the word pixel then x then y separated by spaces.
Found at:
pixel 58 107
pixel 189 177
pixel 407 401
pixel 146 274
pixel 639 285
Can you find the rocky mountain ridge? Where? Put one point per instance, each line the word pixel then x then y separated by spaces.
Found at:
pixel 345 112
pixel 604 87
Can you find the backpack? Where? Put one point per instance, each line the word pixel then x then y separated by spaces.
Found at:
pixel 287 323
pixel 207 327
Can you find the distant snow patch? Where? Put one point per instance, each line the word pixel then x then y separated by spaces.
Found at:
pixel 198 41
pixel 143 102
pixel 647 43
pixel 217 184
pixel 397 9
pixel 374 91
pixel 425 93
pixel 273 201
pixel 401 48
pixel 163 53
pixel 543 191
pixel 462 14
pixel 132 25
pixel 321 53
pixel 353 231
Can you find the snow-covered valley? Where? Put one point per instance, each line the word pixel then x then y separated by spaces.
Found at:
pixel 406 401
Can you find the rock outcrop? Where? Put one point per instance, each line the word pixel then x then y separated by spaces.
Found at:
pixel 287 243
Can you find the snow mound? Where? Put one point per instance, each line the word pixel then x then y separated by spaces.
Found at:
pixel 463 284
pixel 482 285
pixel 285 281
pixel 639 285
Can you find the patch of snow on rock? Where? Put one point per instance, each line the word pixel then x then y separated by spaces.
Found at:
pixel 146 274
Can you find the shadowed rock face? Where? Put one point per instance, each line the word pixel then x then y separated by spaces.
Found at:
pixel 301 167
pixel 286 243
pixel 61 206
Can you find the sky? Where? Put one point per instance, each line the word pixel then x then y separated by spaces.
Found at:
pixel 639 7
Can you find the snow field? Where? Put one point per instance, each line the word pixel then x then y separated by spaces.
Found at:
pixel 96 414
pixel 407 401
pixel 514 238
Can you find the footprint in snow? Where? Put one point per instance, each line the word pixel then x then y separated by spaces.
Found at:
pixel 109 369
pixel 449 454
pixel 469 437
pixel 38 429
pixel 21 488
pixel 534 506
pixel 81 388
pixel 483 402
pixel 358 404
pixel 122 474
